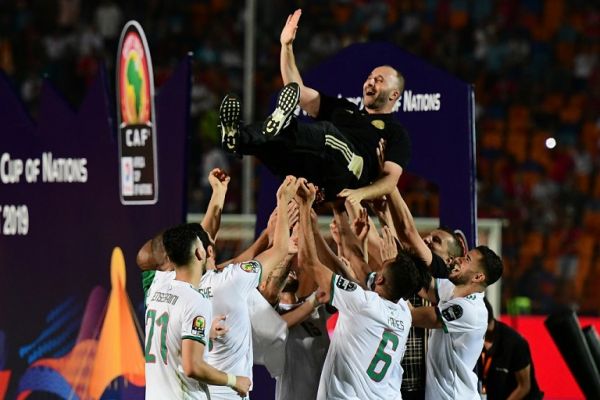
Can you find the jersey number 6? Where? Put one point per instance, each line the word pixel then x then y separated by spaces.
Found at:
pixel 382 357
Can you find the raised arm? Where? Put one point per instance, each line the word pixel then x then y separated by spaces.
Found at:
pixel 310 99
pixel 211 222
pixel 302 312
pixel 272 257
pixel 326 255
pixel 354 249
pixel 307 252
pixel 382 186
pixel 407 229
pixel 372 249
pixel 410 238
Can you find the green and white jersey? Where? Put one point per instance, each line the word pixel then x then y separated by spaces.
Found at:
pixel 364 356
pixel 454 349
pixel 229 290
pixel 175 312
pixel 152 279
pixel 305 351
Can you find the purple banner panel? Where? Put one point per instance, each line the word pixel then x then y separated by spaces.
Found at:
pixel 437 110
pixel 60 219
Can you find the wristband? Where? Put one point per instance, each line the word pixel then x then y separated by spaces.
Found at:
pixel 313 299
pixel 231 380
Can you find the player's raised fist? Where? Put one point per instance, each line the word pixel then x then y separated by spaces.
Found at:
pixel 218 179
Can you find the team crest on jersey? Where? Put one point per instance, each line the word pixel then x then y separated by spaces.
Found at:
pixel 345 284
pixel 198 326
pixel 453 312
pixel 377 123
pixel 250 266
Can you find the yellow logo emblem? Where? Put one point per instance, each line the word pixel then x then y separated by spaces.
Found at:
pixel 377 123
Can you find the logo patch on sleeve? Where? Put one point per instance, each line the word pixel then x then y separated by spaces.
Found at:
pixel 345 284
pixel 453 312
pixel 250 266
pixel 198 326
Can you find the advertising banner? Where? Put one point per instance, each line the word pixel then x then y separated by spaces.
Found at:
pixel 136 118
pixel 70 291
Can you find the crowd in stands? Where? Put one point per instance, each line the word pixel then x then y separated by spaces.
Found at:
pixel 534 63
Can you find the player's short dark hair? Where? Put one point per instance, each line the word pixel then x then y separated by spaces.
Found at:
pixel 491 264
pixel 403 277
pixel 202 234
pixel 399 76
pixel 455 246
pixel 179 240
pixel 489 309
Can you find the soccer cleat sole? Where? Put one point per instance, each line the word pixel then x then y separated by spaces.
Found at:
pixel 287 101
pixel 229 122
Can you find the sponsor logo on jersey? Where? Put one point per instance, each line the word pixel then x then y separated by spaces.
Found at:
pixel 250 266
pixel 345 284
pixel 453 312
pixel 198 326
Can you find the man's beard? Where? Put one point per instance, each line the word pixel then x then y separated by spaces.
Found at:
pixel 378 101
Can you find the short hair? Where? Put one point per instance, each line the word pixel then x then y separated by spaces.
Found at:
pixel 202 235
pixel 399 76
pixel 456 247
pixel 403 277
pixel 491 264
pixel 179 241
pixel 489 309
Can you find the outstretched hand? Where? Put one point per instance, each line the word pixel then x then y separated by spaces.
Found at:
pixel 389 249
pixel 360 225
pixel 353 196
pixel 288 33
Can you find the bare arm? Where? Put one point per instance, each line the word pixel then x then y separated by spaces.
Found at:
pixel 353 248
pixel 211 222
pixel 407 229
pixel 272 257
pixel 275 282
pixel 300 313
pixel 310 100
pixel 194 366
pixel 382 186
pixel 372 248
pixel 523 378
pixel 307 252
pixel 326 255
pixel 425 317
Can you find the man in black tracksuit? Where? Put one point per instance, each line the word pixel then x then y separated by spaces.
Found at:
pixel 339 151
